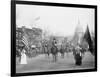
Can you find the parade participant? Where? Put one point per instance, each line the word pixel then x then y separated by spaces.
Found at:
pixel 78 55
pixel 23 56
pixel 62 51
pixel 54 50
pixel 46 50
pixel 18 55
pixel 54 42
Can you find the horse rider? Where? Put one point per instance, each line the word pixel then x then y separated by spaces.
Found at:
pixel 54 50
pixel 54 42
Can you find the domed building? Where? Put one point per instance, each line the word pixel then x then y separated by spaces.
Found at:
pixel 78 34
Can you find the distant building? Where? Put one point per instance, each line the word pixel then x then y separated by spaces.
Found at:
pixel 29 36
pixel 78 34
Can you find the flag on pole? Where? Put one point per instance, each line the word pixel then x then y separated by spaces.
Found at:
pixel 88 39
pixel 25 41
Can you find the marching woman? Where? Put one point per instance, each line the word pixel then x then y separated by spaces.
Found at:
pixel 78 55
pixel 23 56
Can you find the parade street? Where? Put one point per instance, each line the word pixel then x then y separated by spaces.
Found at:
pixel 45 63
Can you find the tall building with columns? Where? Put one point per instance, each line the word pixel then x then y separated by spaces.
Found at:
pixel 78 34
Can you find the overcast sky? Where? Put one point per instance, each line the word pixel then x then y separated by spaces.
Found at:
pixel 56 20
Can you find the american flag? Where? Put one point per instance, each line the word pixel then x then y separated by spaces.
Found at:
pixel 25 41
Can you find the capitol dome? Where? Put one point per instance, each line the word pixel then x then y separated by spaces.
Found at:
pixel 79 28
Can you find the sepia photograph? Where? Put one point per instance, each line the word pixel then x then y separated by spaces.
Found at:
pixel 54 38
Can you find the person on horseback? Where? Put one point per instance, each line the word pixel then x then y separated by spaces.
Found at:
pixel 54 42
pixel 54 50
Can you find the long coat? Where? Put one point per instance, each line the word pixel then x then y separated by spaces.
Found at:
pixel 78 56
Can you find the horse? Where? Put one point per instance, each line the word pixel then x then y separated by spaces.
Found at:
pixel 54 51
pixel 67 49
pixel 62 51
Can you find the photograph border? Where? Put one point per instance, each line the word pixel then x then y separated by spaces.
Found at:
pixel 13 36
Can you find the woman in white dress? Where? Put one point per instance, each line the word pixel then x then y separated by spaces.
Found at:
pixel 23 57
